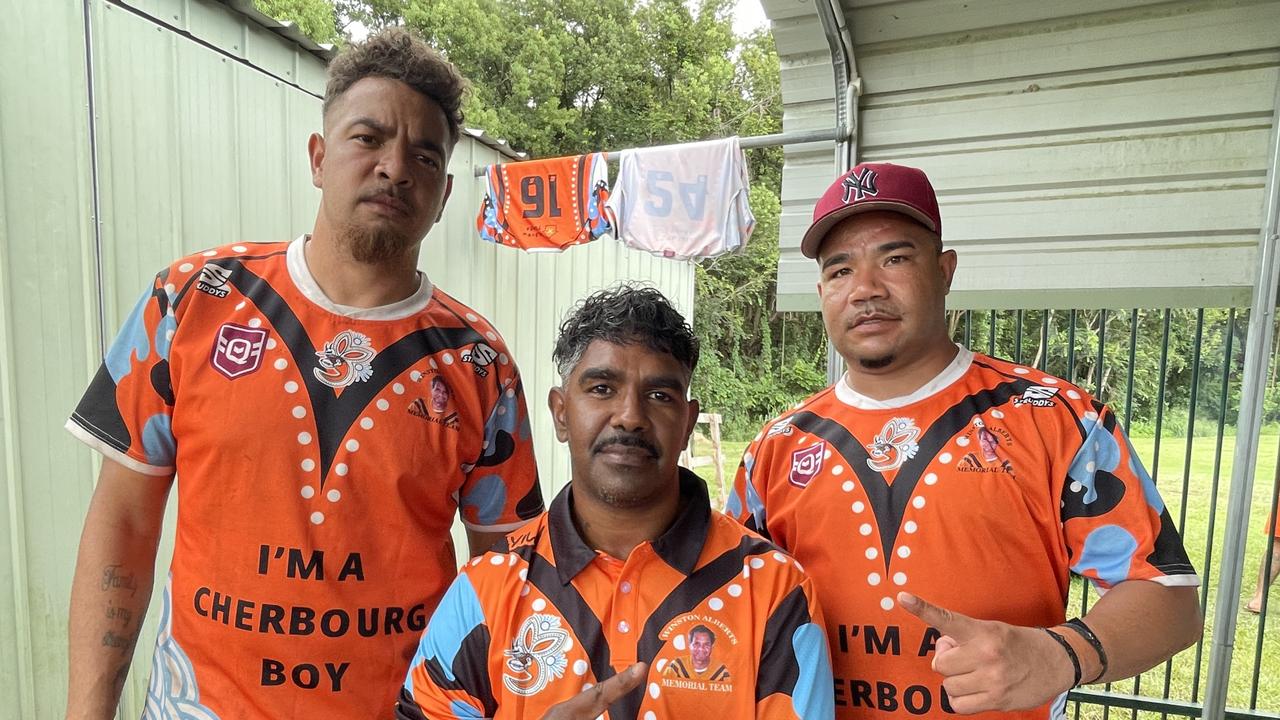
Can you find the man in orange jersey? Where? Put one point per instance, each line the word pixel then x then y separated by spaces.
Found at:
pixel 1268 566
pixel 328 409
pixel 629 567
pixel 942 498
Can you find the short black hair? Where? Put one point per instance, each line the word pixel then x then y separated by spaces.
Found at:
pixel 398 54
pixel 625 315
pixel 703 629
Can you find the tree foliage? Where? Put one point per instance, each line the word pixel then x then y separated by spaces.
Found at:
pixel 316 18
pixel 556 77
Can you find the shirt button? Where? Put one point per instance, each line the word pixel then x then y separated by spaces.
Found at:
pixel 626 586
pixel 623 626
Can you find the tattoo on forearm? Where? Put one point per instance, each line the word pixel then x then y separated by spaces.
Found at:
pixel 123 643
pixel 123 614
pixel 112 578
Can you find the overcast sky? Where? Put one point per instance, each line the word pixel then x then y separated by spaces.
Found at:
pixel 747 16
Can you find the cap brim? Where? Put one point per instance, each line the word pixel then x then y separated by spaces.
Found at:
pixel 812 240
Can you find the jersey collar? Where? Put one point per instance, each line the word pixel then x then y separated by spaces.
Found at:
pixel 952 372
pixel 680 546
pixel 306 282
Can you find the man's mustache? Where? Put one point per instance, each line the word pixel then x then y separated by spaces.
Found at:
pixel 625 440
pixel 390 191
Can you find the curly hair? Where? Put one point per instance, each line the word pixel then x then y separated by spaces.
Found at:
pixel 625 315
pixel 398 54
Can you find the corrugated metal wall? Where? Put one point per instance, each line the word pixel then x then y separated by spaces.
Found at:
pixel 1086 154
pixel 201 126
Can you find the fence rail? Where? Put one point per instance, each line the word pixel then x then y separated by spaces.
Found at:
pixel 1172 377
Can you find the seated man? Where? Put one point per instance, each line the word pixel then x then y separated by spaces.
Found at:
pixel 630 565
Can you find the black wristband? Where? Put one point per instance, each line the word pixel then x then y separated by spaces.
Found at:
pixel 1087 633
pixel 1071 653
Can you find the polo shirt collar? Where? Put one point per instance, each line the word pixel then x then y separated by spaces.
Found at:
pixel 680 546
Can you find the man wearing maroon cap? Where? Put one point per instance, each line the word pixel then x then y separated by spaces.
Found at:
pixel 930 471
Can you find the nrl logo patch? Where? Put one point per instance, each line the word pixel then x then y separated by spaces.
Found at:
pixel 237 350
pixel 1036 396
pixel 893 445
pixel 536 656
pixel 806 463
pixel 481 356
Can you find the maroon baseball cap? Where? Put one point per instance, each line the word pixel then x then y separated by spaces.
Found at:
pixel 873 186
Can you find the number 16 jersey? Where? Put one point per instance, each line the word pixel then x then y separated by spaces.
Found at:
pixel 545 205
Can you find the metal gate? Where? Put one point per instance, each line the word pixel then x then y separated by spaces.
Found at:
pixel 1172 376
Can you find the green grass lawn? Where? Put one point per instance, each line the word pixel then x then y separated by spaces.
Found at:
pixel 1191 503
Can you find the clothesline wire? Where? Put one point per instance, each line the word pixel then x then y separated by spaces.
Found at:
pixel 753 141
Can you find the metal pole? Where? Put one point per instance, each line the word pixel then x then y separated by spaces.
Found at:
pixel 1257 356
pixel 847 86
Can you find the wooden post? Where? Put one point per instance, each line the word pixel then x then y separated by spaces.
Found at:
pixel 691 460
pixel 717 456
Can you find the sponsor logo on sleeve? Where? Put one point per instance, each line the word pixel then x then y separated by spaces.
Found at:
pixel 1036 396
pixel 782 427
pixel 481 356
pixel 213 280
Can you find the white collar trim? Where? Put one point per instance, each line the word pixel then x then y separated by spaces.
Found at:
pixel 296 260
pixel 951 373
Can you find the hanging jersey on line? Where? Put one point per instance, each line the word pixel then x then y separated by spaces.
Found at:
pixel 683 201
pixel 545 205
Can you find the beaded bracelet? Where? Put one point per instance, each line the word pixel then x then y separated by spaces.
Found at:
pixel 1087 633
pixel 1071 653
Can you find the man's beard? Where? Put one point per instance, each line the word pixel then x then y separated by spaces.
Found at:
pixel 374 246
pixel 879 363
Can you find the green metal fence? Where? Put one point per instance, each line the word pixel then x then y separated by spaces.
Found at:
pixel 1172 376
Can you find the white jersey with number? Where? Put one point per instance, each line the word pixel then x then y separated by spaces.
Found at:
pixel 683 201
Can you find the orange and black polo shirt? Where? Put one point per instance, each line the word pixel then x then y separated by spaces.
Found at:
pixel 543 616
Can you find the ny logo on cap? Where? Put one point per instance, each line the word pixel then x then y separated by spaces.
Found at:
pixel 860 185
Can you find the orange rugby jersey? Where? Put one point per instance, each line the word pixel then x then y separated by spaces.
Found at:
pixel 321 453
pixel 982 492
pixel 543 617
pixel 545 205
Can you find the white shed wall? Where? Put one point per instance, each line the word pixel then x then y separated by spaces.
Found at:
pixel 1085 154
pixel 201 118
